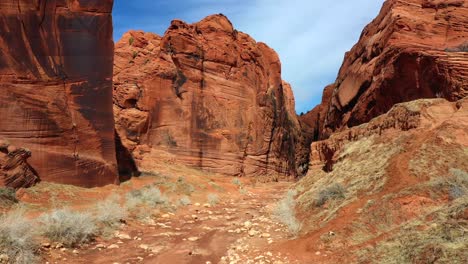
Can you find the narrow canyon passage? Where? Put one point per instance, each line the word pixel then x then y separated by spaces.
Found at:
pixel 239 228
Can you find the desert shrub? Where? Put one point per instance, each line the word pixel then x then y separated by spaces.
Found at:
pixel 17 238
pixel 213 199
pixel 332 192
pixel 139 201
pixel 185 200
pixel 134 54
pixel 68 227
pixel 285 213
pixel 7 196
pixel 182 186
pixel 243 191
pixel 236 181
pixel 131 40
pixel 458 183
pixel 109 212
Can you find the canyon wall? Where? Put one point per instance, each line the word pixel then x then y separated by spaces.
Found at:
pixel 56 62
pixel 211 97
pixel 413 49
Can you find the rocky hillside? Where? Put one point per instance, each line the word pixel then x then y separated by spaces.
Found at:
pixel 413 49
pixel 394 190
pixel 56 87
pixel 208 96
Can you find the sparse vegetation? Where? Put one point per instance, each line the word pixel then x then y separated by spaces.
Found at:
pixel 243 191
pixel 134 54
pixel 441 240
pixel 70 228
pixel 332 192
pixel 7 196
pixel 236 181
pixel 285 213
pixel 110 213
pixel 130 41
pixel 185 200
pixel 458 183
pixel 182 186
pixel 17 238
pixel 213 199
pixel 139 201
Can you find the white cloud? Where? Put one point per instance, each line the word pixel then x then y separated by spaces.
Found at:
pixel 311 38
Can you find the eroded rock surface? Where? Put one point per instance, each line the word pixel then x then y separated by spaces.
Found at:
pixel 400 177
pixel 423 114
pixel 211 96
pixel 56 87
pixel 413 49
pixel 15 171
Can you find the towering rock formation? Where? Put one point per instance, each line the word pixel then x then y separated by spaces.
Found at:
pixel 56 87
pixel 209 95
pixel 413 49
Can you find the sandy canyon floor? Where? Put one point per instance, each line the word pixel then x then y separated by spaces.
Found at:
pixel 207 219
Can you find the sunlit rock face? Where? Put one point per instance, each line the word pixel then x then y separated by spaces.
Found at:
pixel 413 49
pixel 56 62
pixel 208 96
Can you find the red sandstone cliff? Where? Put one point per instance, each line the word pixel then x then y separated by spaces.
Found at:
pixel 211 96
pixel 413 49
pixel 56 87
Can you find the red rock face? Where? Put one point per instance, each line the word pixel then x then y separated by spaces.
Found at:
pixel 15 171
pixel 56 87
pixel 209 95
pixel 413 49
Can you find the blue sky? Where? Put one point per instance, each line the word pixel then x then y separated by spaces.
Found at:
pixel 310 36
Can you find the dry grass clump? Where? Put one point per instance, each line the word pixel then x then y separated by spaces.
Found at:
pixel 185 200
pixel 17 239
pixel 110 213
pixel 7 196
pixel 285 212
pixel 236 181
pixel 332 192
pixel 140 202
pixel 213 199
pixel 70 228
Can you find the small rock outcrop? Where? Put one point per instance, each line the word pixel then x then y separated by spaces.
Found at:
pixel 15 171
pixel 56 88
pixel 414 49
pixel 423 114
pixel 211 96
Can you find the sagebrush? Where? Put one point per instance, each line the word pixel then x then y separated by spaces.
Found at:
pixel 285 212
pixel 17 239
pixel 68 227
